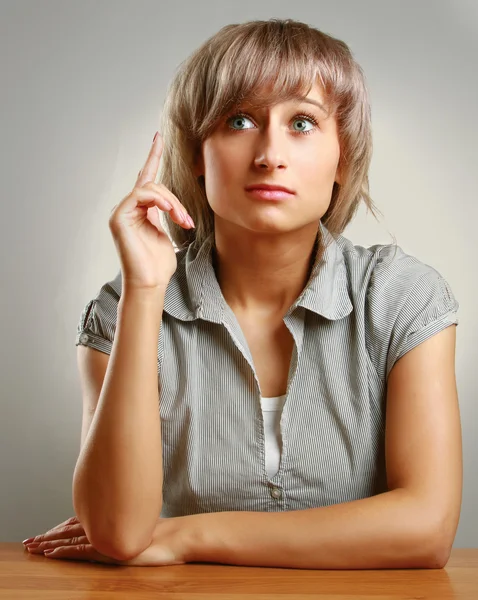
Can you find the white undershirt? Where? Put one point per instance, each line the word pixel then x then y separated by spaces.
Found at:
pixel 271 413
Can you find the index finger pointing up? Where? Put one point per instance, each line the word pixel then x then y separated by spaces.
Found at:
pixel 150 170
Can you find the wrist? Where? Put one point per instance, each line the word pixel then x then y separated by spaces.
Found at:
pixel 142 296
pixel 207 540
pixel 195 537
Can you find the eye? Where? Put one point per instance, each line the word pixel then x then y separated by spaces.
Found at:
pixel 237 121
pixel 303 122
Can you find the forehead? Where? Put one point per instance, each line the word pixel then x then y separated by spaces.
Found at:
pixel 266 96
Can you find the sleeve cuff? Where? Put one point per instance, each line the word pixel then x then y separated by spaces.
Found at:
pixel 87 338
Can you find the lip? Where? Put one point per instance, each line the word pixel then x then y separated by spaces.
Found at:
pixel 269 192
pixel 269 187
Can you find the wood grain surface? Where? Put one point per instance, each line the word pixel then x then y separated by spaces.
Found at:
pixel 25 576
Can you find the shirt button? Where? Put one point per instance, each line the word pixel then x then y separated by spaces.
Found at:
pixel 84 338
pixel 276 493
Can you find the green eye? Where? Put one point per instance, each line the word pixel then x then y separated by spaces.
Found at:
pixel 304 123
pixel 238 121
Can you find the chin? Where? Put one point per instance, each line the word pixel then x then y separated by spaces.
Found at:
pixel 272 226
pixel 263 222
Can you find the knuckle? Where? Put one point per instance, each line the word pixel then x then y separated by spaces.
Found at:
pixel 135 193
pixel 112 219
pixel 153 187
pixel 76 530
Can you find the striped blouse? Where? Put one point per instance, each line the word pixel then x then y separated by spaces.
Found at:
pixel 361 310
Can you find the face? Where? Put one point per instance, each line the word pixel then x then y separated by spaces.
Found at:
pixel 292 144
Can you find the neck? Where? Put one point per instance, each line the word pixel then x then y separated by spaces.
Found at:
pixel 263 273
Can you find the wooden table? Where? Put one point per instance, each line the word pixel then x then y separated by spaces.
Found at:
pixel 33 577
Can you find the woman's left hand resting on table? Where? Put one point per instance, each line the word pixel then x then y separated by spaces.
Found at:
pixel 68 541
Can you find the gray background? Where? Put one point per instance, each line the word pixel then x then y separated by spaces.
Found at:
pixel 82 85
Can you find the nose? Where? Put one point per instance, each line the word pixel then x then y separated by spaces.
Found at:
pixel 270 150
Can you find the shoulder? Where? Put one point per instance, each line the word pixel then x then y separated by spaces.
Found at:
pixel 388 275
pixel 402 284
pixel 406 301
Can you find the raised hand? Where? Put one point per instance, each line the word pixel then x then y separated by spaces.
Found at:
pixel 147 255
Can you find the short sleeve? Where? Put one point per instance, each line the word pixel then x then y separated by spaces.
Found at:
pixel 97 324
pixel 409 302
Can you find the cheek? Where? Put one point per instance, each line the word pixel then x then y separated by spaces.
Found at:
pixel 319 167
pixel 213 166
pixel 222 170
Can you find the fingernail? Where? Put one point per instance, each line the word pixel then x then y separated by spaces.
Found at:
pixel 155 136
pixel 49 551
pixel 33 545
pixel 28 540
pixel 191 222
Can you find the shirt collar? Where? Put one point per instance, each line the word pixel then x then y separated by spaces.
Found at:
pixel 194 293
pixel 326 292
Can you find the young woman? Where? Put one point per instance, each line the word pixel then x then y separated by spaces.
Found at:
pixel 267 393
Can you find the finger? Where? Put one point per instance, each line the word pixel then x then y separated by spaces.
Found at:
pixel 146 198
pixel 179 209
pixel 154 217
pixel 178 213
pixel 151 166
pixel 62 532
pixel 70 521
pixel 49 544
pixel 81 552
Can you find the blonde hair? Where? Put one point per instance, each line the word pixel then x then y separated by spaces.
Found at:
pixel 287 57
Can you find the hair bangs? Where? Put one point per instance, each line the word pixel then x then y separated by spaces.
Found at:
pixel 262 70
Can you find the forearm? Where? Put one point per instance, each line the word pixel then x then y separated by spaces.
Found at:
pixel 117 484
pixel 385 531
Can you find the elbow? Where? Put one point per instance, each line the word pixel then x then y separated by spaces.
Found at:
pixel 443 534
pixel 440 551
pixel 116 542
pixel 121 541
pixel 438 543
pixel 118 549
pixel 438 557
pixel 430 533
pixel 111 541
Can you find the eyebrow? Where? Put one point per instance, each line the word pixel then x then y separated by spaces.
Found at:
pixel 314 102
pixel 308 100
